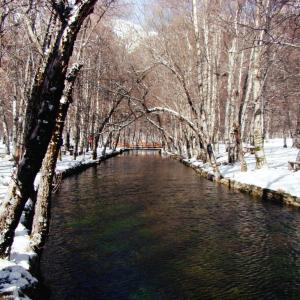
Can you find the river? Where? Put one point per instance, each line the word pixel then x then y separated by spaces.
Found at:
pixel 145 227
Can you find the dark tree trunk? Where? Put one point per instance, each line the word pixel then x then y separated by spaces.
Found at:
pixel 67 143
pixel 6 135
pixel 106 143
pixel 42 207
pixel 296 136
pixel 239 147
pixel 188 145
pixel 117 140
pixel 77 133
pixel 42 109
pixel 102 125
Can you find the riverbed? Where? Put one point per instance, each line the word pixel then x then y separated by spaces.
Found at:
pixel 140 226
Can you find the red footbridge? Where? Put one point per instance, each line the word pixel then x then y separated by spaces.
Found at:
pixel 141 146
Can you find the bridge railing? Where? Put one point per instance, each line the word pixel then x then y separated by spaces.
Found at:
pixel 141 146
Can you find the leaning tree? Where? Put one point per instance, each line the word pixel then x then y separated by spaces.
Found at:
pixel 42 109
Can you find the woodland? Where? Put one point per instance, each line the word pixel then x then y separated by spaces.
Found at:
pixel 184 75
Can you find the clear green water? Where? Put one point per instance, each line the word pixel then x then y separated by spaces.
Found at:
pixel 144 227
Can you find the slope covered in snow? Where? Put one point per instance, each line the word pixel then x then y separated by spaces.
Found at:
pixel 275 176
pixel 130 33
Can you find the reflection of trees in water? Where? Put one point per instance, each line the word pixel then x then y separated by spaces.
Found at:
pixel 163 232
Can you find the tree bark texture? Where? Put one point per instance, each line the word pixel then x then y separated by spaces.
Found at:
pixel 42 207
pixel 258 81
pixel 42 109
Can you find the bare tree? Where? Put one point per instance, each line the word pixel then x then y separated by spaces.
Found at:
pixel 41 114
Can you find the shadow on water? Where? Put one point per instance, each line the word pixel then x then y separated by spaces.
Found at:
pixel 144 227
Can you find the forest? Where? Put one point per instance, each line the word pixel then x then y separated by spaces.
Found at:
pixel 185 76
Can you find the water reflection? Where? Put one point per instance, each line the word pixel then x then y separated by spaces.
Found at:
pixel 143 227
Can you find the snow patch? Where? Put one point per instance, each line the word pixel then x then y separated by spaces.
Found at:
pixel 14 280
pixel 275 176
pixel 132 34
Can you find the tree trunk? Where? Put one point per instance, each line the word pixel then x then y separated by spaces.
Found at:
pixel 188 145
pixel 117 140
pixel 6 135
pixel 106 143
pixel 296 135
pixel 198 48
pixel 15 124
pixel 239 147
pixel 77 132
pixel 102 125
pixel 258 81
pixel 41 114
pixel 40 223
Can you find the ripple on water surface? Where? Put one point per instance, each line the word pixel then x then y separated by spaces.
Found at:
pixel 143 227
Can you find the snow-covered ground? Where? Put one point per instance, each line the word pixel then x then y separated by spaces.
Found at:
pixel 275 176
pixel 14 275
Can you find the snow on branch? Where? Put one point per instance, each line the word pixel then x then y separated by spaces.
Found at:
pixel 174 113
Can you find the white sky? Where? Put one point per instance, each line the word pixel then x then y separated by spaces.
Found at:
pixel 138 14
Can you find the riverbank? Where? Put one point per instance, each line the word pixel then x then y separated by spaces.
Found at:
pixel 274 182
pixel 16 274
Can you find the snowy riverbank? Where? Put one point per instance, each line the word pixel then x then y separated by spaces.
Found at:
pixel 16 280
pixel 275 180
pixel 274 177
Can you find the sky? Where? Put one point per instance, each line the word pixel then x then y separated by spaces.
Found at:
pixel 138 13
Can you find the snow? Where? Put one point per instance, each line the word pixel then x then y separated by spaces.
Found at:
pixel 275 176
pixel 14 279
pixel 14 273
pixel 133 34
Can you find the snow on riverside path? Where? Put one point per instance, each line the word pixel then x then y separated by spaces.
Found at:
pixel 14 275
pixel 276 176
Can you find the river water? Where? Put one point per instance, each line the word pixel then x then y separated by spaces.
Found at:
pixel 145 227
